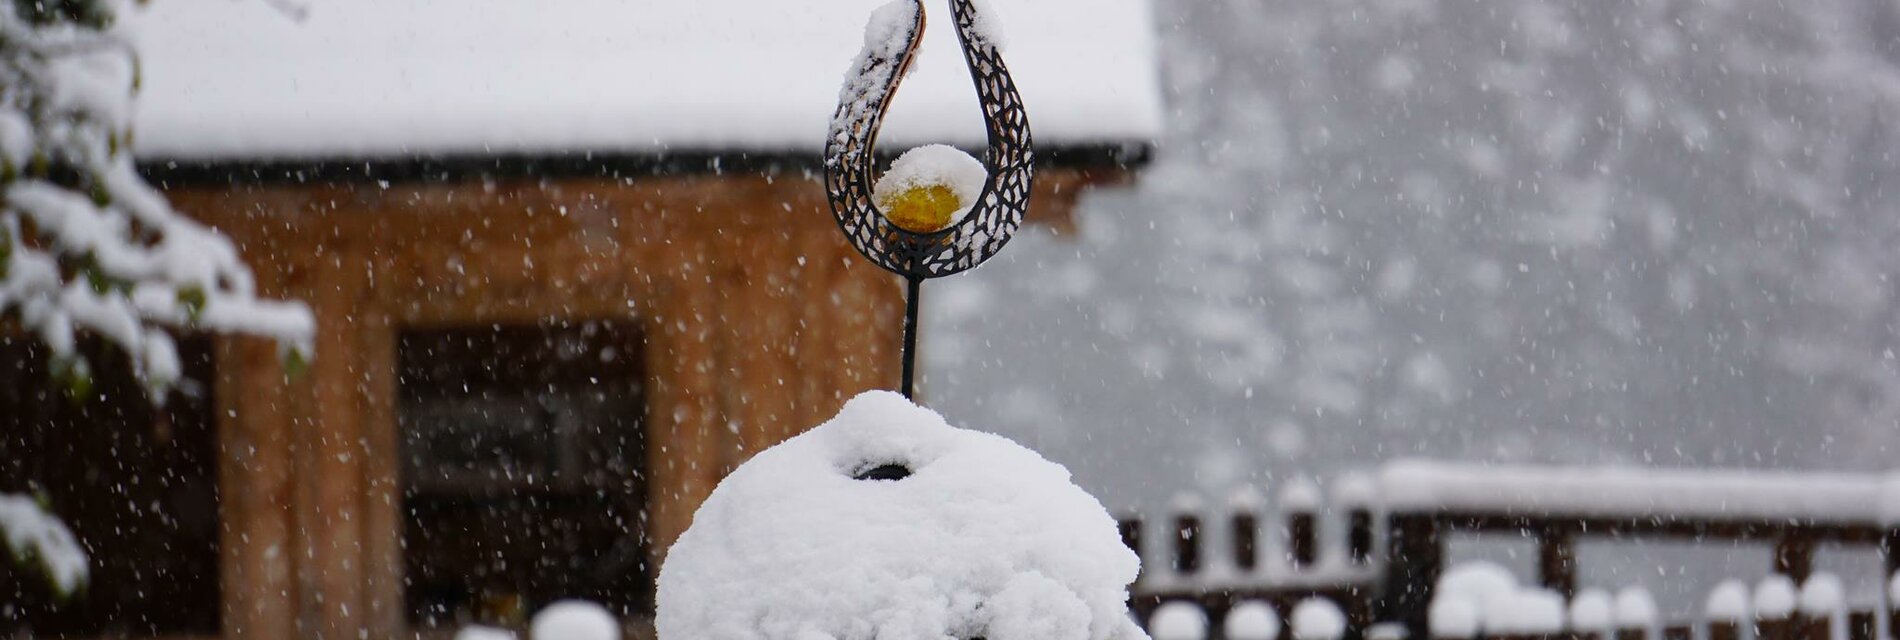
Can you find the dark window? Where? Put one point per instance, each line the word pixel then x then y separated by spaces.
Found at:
pixel 524 470
pixel 136 483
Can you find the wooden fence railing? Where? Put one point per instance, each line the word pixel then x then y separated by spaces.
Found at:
pixel 1248 618
pixel 1377 548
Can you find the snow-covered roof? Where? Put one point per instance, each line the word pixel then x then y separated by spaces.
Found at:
pixel 371 79
pixel 1636 492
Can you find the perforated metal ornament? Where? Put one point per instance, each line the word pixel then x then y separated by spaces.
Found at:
pixel 850 157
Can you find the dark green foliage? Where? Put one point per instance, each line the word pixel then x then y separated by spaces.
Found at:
pixel 91 14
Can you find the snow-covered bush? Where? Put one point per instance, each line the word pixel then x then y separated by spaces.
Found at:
pixel 86 246
pixel 888 523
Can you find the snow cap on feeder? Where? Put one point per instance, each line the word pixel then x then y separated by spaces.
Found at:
pixel 887 522
pixel 929 188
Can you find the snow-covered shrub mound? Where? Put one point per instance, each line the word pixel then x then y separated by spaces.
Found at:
pixel 888 523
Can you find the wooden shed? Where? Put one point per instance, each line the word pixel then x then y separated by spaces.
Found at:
pixel 569 264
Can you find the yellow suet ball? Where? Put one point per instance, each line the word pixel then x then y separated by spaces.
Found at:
pixel 923 208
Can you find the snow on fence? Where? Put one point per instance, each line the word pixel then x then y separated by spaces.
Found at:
pixel 1375 547
pixel 1483 602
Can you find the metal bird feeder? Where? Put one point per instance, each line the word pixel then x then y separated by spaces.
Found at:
pixel 851 159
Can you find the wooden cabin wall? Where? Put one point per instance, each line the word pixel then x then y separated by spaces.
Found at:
pixel 759 320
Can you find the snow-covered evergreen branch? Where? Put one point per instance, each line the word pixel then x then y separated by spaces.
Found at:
pixel 37 538
pixel 86 246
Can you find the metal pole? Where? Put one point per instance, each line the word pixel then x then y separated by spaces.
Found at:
pixel 916 283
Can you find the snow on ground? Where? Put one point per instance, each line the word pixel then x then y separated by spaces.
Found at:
pixel 363 77
pixel 982 538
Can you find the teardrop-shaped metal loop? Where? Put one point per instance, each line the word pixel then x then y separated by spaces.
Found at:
pixel 851 159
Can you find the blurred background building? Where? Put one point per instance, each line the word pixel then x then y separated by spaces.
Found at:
pixel 569 266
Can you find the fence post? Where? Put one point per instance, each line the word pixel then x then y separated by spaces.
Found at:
pixel 1822 599
pixel 1794 554
pixel 1893 590
pixel 1414 558
pixel 1557 558
pixel 1774 608
pixel 1727 610
pixel 1299 504
pixel 1592 615
pixel 1860 625
pixel 1636 614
